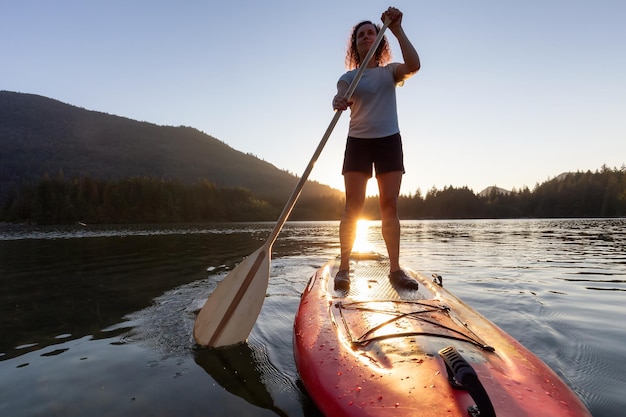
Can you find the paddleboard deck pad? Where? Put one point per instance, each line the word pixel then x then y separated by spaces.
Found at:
pixel 378 350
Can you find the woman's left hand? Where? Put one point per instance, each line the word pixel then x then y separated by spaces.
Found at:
pixel 394 15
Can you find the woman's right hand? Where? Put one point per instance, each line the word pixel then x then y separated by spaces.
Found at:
pixel 340 102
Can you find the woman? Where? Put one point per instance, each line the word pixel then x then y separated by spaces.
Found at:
pixel 374 139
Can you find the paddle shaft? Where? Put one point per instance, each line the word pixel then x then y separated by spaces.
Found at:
pixel 296 192
pixel 231 310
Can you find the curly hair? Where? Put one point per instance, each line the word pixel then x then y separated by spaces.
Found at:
pixel 382 55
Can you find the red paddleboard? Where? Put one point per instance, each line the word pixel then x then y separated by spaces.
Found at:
pixel 376 350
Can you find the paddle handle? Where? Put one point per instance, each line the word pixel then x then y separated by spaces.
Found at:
pixel 296 192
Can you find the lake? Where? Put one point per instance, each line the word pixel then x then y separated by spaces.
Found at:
pixel 97 320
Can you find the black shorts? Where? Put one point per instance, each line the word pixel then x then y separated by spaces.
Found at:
pixel 384 154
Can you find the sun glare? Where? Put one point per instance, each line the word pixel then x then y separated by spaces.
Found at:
pixel 361 243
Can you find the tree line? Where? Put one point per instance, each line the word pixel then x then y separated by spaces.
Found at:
pixel 61 200
pixel 133 200
pixel 581 194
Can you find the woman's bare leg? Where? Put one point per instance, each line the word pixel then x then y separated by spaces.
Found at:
pixel 389 189
pixel 356 184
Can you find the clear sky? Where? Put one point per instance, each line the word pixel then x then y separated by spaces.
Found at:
pixel 509 94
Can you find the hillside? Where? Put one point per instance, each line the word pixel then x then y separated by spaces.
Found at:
pixel 63 164
pixel 493 189
pixel 39 136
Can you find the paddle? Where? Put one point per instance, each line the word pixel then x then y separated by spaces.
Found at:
pixel 232 309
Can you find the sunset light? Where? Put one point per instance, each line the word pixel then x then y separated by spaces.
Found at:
pixel 361 243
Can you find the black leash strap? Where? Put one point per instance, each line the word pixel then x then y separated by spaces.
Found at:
pixel 461 375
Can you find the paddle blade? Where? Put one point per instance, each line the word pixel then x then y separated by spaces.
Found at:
pixel 232 309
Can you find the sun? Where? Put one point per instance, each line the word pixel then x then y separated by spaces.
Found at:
pixel 361 242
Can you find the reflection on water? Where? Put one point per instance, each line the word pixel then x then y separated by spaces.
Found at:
pixel 97 320
pixel 236 370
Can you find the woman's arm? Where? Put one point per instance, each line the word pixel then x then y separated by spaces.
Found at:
pixel 411 59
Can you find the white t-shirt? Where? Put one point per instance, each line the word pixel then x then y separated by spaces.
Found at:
pixel 373 113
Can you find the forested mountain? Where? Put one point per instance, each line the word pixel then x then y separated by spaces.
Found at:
pixel 40 136
pixel 63 164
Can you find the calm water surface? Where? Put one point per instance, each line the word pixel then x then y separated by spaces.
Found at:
pixel 97 321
